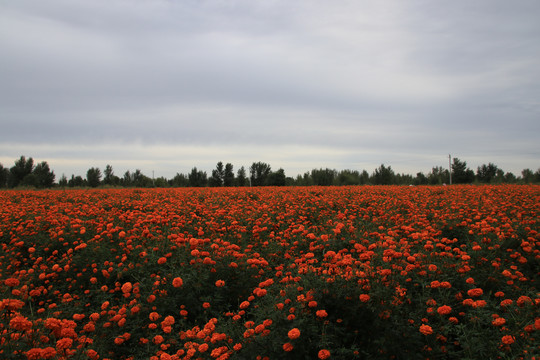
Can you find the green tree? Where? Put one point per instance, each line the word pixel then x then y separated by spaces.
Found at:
pixel 218 175
pixel 461 174
pixel 180 180
pixel 438 176
pixel 420 179
pixel 108 176
pixel 44 176
pixel 486 173
pixel 30 180
pixel 510 178
pixel 63 182
pixel 241 178
pixel 4 175
pixel 228 176
pixel 383 175
pixel 23 167
pixel 161 182
pixel 276 178
pixel 197 178
pixel 527 175
pixel 93 177
pixel 323 177
pixel 537 175
pixel 259 172
pixel 403 179
pixel 127 179
pixel 76 181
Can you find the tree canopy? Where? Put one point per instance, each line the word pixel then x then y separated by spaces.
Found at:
pixel 25 173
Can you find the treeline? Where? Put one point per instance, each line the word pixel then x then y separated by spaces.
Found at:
pixel 24 173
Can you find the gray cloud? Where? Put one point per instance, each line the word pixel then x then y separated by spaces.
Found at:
pixel 299 84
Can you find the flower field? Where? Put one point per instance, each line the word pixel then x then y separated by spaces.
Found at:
pixel 271 273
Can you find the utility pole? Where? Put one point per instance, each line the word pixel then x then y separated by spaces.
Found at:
pixel 450 167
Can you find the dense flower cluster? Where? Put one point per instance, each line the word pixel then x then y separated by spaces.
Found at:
pixel 270 273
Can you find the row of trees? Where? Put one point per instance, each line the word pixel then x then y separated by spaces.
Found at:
pixel 26 173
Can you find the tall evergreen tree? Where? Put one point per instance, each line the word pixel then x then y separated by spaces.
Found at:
pixel 241 178
pixel 461 174
pixel 4 175
pixel 218 175
pixel 108 177
pixel 259 172
pixel 197 178
pixel 23 167
pixel 486 173
pixel 44 176
pixel 228 175
pixel 276 178
pixel 383 175
pixel 93 177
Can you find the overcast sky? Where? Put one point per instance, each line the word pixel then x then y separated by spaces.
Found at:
pixel 165 86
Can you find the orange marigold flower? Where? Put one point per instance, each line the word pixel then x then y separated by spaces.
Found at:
pixel 444 310
pixel 220 283
pixel 523 300
pixel 153 316
pixel 508 339
pixel 48 353
pixel 64 343
pixel 12 282
pixel 364 297
pixel 158 339
pixel 203 347
pixel 127 287
pixel 20 323
pixel 499 321
pixel 475 292
pixel 11 304
pixel 33 354
pixel 162 260
pixel 321 313
pixel 293 334
pixel 168 321
pixel 244 305
pixel 445 285
pixel 426 329
pixel 177 282
pixel 288 347
pixel 324 354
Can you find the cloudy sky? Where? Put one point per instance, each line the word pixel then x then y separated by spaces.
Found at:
pixel 165 86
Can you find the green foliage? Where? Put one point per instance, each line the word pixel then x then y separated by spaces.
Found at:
pixel 180 180
pixel 44 176
pixel 276 178
pixel 461 174
pixel 25 173
pixel 241 178
pixel 4 175
pixel 93 177
pixel 228 176
pixel 383 175
pixel 22 168
pixel 218 175
pixel 323 177
pixel 487 173
pixel 259 172
pixel 197 178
